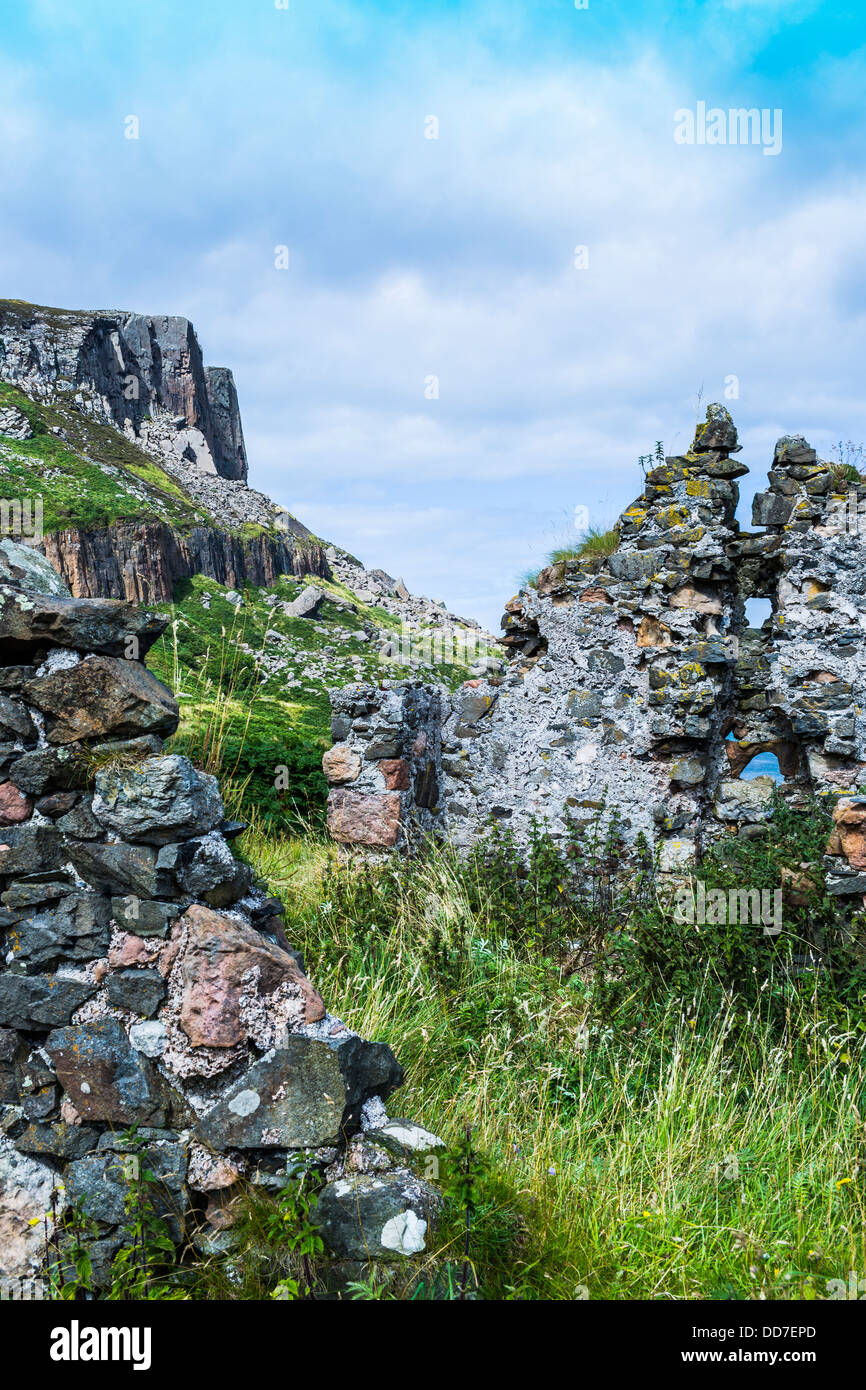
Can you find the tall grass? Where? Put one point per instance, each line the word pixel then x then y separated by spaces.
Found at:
pixel 677 1157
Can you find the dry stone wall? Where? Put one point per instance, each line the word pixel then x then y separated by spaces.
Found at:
pixel 146 979
pixel 634 680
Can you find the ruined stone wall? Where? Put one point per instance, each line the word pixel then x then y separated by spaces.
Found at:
pixel 385 769
pixel 146 979
pixel 628 673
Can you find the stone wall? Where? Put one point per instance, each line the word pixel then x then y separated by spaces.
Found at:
pixel 146 978
pixel 629 673
pixel 385 769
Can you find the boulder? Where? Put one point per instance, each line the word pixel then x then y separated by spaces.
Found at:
pixel 23 566
pixel 307 604
pixel 161 800
pixel 102 695
pixel 307 1094
pixel 219 958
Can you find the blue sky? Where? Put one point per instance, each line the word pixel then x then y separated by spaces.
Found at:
pixel 412 258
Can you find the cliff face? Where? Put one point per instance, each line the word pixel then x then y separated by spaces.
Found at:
pixel 143 561
pixel 142 374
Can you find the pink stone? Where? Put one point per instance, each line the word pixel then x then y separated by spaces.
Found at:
pixel 131 950
pixel 14 805
pixel 341 763
pixel 364 818
pixel 219 952
pixel 396 774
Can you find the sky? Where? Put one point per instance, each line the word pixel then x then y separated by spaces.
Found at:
pixel 461 257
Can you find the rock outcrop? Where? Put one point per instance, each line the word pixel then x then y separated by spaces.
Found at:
pixel 146 978
pixel 143 374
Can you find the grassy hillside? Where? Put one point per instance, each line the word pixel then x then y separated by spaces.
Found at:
pixel 252 684
pixel 88 476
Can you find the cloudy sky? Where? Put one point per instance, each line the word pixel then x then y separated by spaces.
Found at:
pixel 418 264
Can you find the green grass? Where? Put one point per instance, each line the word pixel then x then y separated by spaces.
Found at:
pixel 673 1152
pixel 91 478
pixel 593 544
pixel 251 704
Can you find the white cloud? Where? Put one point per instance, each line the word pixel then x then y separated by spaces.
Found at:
pixel 454 258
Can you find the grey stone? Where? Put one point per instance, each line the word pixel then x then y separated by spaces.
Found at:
pixel 151 1037
pixel 24 566
pixel 15 722
pixel 161 800
pixel 108 627
pixel 38 1003
pixel 139 991
pixel 379 1216
pixel 304 1095
pixel 405 1138
pixel 307 604
pixel 120 869
pixel 58 767
pixel 143 917
pixel 77 928
pixel 60 1140
pixel 102 695
pixel 206 869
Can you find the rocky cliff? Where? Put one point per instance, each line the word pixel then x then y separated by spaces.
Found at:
pixel 143 561
pixel 143 374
